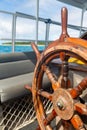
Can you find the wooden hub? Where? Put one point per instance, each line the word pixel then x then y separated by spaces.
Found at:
pixel 63 104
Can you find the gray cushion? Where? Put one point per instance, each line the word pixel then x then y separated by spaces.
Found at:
pixel 11 69
pixel 14 86
pixel 16 70
pixel 11 57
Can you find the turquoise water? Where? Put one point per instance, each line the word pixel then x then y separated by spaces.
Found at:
pixel 8 49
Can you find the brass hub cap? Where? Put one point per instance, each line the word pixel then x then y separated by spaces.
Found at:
pixel 63 104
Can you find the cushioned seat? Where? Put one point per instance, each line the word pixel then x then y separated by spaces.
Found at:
pixel 16 70
pixel 11 69
pixel 14 86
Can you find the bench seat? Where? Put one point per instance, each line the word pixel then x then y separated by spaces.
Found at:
pixel 16 70
pixel 14 86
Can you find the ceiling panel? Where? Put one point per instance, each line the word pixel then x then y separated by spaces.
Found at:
pixel 77 3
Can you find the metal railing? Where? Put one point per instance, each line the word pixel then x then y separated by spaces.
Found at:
pixel 47 22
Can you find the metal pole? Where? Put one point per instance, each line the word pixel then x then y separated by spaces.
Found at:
pixel 13 32
pixel 83 10
pixel 47 32
pixel 37 18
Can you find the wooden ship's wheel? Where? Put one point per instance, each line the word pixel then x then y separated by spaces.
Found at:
pixel 63 96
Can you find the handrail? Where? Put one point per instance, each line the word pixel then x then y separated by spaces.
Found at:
pixel 47 21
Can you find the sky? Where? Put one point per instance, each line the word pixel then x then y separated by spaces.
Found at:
pixel 25 28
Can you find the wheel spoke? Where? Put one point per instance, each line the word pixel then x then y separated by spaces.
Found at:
pixel 65 69
pixel 28 87
pixel 81 108
pixel 77 123
pixel 48 119
pixel 35 50
pixel 75 92
pixel 66 125
pixel 48 127
pixel 45 94
pixel 51 77
pixel 41 92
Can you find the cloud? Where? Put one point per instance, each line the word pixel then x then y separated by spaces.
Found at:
pixel 5 27
pixel 26 29
pixel 55 32
pixel 28 7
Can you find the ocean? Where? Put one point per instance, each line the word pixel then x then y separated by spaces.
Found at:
pixel 18 48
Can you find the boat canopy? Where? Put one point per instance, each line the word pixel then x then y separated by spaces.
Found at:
pixel 77 3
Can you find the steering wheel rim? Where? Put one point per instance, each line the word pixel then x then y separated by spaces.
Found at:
pixel 49 54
